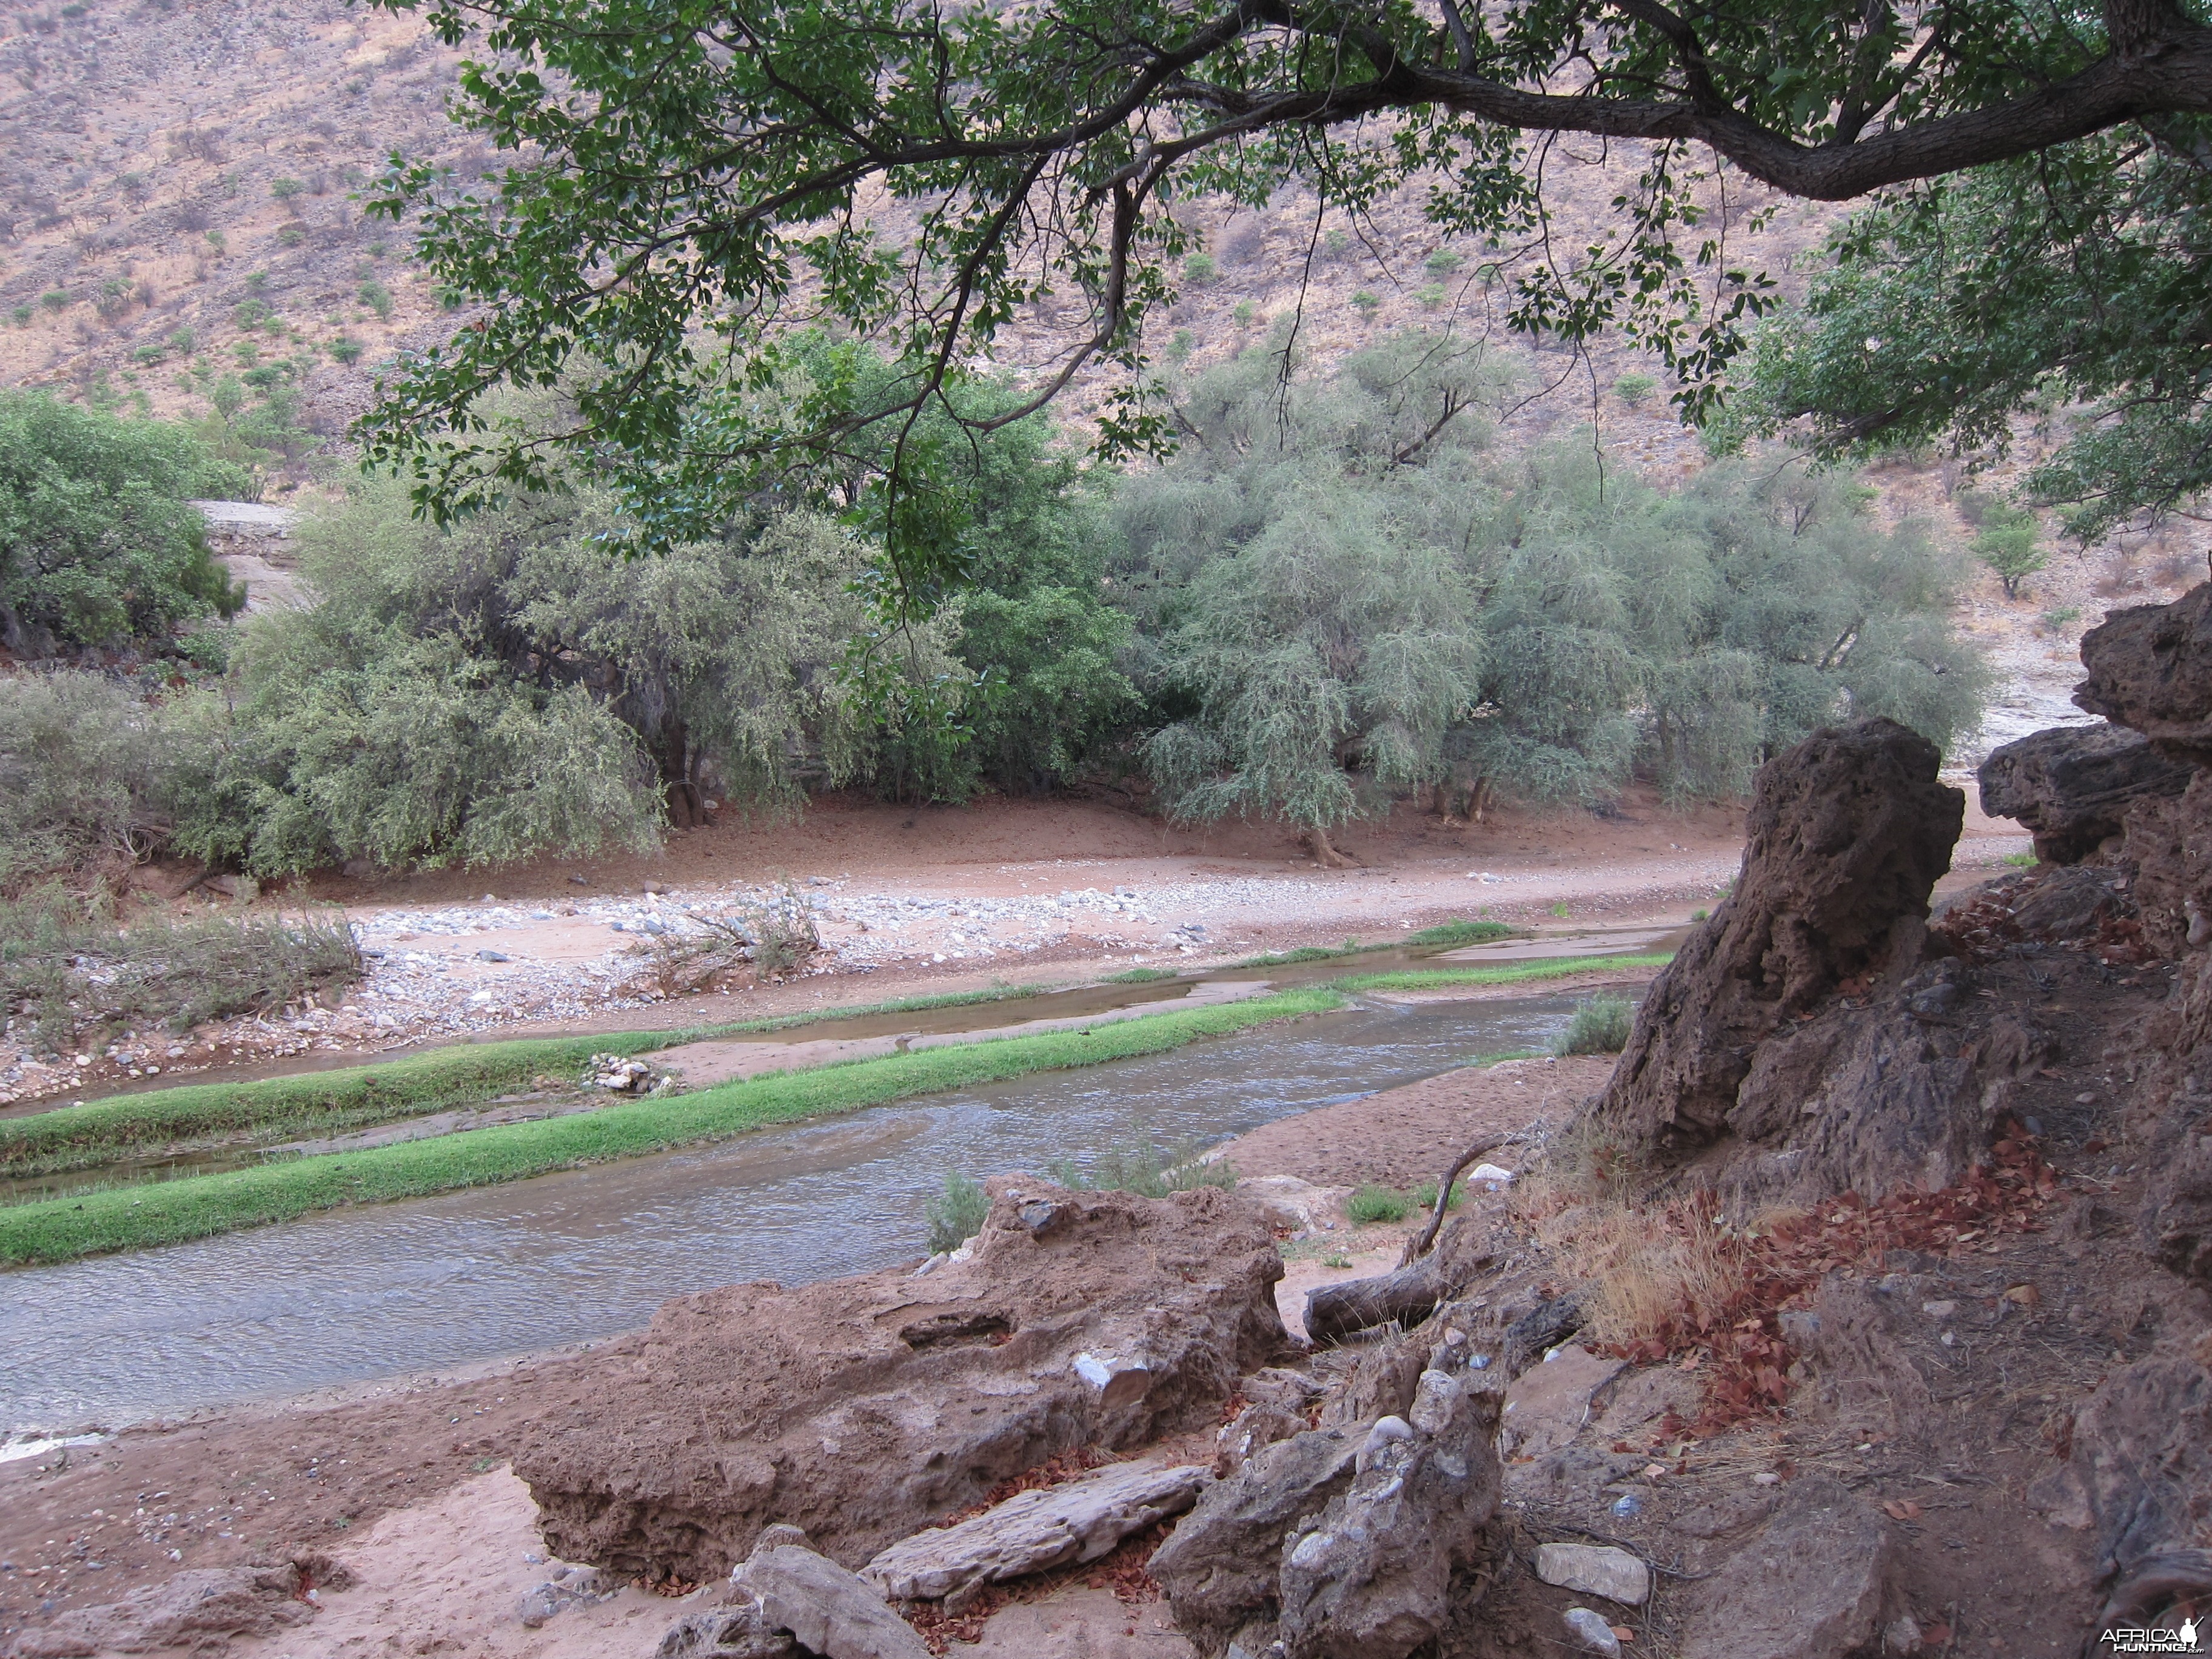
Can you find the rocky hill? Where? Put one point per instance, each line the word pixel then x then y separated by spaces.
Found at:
pixel 182 205
pixel 180 231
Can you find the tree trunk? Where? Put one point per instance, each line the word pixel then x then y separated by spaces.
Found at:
pixel 671 750
pixel 1408 1296
pixel 1324 855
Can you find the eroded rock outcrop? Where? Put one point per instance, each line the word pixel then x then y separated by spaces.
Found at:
pixel 1846 836
pixel 1900 1094
pixel 866 1409
pixel 1371 1577
pixel 1222 1567
pixel 1813 1584
pixel 2138 1475
pixel 2150 668
pixel 201 1608
pixel 2071 787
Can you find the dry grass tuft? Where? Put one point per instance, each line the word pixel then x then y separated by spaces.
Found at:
pixel 1650 1272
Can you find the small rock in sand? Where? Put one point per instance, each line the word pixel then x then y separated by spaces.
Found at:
pixel 1592 1633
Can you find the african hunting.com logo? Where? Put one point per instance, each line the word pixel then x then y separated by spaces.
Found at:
pixel 2132 1638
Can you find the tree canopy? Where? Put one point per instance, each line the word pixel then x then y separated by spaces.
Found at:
pixel 2079 280
pixel 1342 597
pixel 694 178
pixel 99 543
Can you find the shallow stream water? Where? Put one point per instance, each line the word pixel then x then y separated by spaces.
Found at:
pixel 347 1296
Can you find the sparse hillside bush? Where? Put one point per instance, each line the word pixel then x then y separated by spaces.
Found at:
pixel 377 297
pixel 99 544
pixel 2010 542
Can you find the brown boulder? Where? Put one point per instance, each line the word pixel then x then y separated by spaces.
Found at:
pixel 865 1409
pixel 1846 836
pixel 1813 1583
pixel 201 1608
pixel 2150 667
pixel 2138 1474
pixel 2071 787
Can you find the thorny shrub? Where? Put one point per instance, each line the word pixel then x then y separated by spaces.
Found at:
pixel 767 940
pixel 67 977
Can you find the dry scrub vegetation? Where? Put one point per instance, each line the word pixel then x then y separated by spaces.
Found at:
pixel 1673 1278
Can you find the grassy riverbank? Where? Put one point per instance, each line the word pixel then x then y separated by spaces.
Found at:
pixel 1506 973
pixel 170 1212
pixel 199 1114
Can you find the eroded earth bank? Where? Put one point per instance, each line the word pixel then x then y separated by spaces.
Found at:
pixel 1861 1308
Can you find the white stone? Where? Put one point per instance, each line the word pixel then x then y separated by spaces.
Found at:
pixel 1595 1569
pixel 1592 1633
pixel 1079 1521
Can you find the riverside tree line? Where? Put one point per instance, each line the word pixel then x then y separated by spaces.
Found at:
pixel 1337 592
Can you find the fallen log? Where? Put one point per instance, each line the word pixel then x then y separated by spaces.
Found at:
pixel 1409 1295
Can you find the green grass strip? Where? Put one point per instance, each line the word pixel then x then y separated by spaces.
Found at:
pixel 170 1212
pixel 325 1102
pixel 1447 934
pixel 1460 933
pixel 1505 973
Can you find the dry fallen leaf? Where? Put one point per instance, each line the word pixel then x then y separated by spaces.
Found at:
pixel 2027 1295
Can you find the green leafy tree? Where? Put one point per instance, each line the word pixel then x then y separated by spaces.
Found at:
pixel 1341 598
pixel 1969 310
pixel 1310 631
pixel 694 174
pixel 99 545
pixel 2010 542
pixel 500 686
